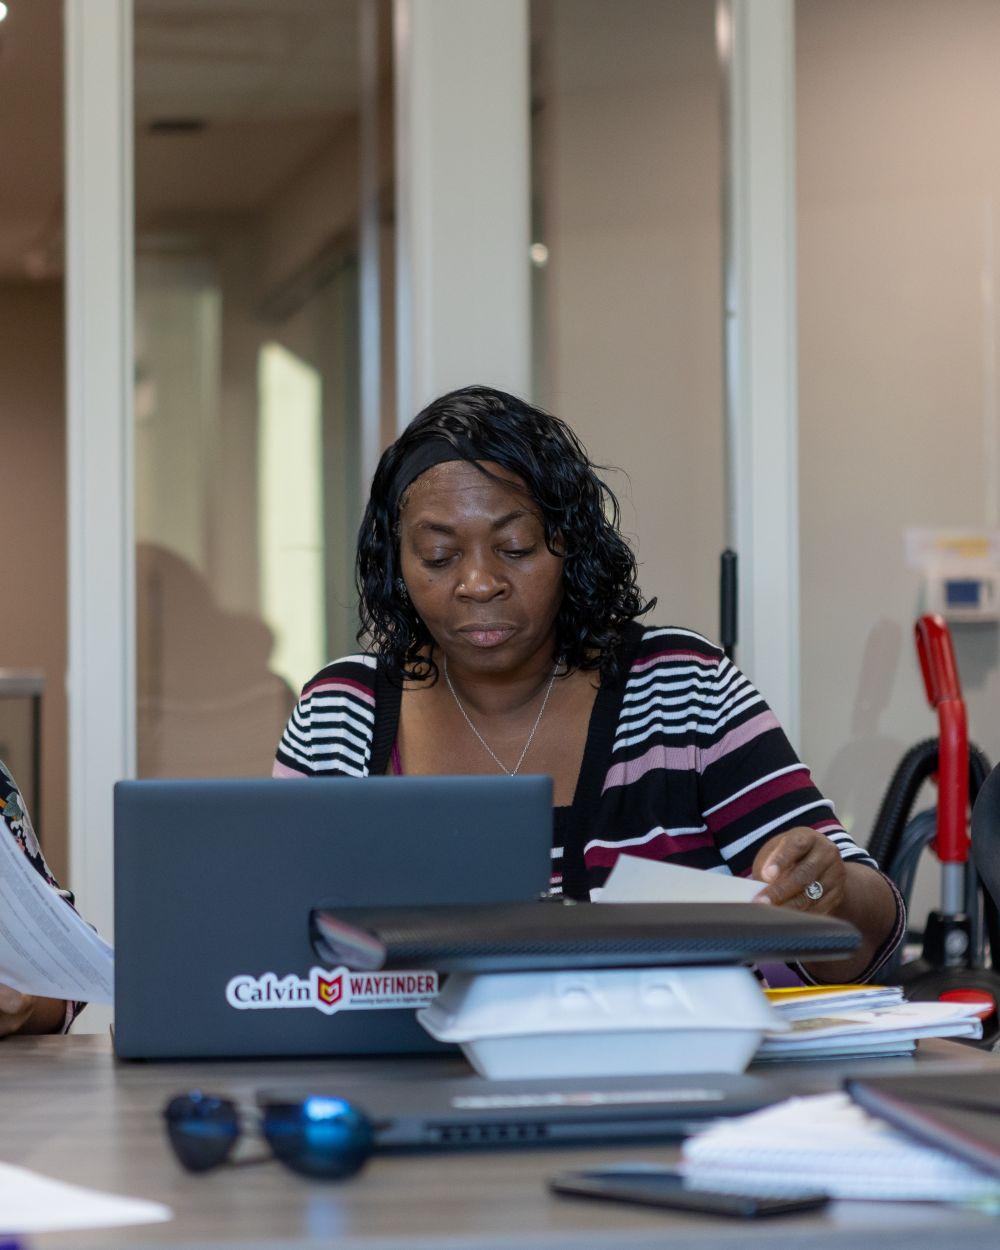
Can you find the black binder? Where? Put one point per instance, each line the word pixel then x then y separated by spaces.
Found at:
pixel 958 1113
pixel 524 937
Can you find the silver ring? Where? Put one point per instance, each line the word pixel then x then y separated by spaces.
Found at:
pixel 814 891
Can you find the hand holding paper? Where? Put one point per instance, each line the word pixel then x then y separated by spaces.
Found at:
pixel 46 949
pixel 798 858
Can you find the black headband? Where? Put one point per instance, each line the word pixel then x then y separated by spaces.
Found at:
pixel 438 449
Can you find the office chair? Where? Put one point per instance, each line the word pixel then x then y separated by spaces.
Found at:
pixel 985 831
pixel 952 965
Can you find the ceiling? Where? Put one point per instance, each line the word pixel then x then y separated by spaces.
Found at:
pixel 272 83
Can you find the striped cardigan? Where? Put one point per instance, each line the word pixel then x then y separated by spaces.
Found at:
pixel 684 762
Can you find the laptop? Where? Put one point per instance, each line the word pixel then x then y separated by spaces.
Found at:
pixel 214 882
pixel 465 1112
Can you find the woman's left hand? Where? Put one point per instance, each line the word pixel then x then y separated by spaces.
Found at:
pixel 15 1010
pixel 27 1013
pixel 795 859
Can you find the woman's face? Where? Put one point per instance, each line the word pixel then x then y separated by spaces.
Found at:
pixel 476 566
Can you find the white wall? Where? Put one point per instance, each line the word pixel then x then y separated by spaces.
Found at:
pixel 461 128
pixel 899 218
pixel 631 352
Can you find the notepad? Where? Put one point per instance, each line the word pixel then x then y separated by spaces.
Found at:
pixel 826 1142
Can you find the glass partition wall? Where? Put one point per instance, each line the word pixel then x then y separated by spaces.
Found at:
pixel 248 482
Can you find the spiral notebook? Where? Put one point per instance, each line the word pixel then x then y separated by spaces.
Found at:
pixel 829 1143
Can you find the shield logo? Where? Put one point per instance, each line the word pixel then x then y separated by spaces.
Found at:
pixel 328 990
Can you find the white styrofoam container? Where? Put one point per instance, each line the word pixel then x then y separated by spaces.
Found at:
pixel 608 1022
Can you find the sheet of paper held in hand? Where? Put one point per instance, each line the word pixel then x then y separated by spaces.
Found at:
pixel 45 947
pixel 635 880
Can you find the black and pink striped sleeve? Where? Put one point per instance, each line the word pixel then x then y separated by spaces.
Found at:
pixel 753 786
pixel 330 729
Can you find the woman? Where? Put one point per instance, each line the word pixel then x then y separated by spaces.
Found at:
pixel 499 603
pixel 26 1013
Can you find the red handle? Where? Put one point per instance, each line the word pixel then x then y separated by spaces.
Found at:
pixel 944 694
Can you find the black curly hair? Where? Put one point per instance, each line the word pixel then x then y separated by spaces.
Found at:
pixel 579 512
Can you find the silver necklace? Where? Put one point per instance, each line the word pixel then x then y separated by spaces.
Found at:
pixel 511 772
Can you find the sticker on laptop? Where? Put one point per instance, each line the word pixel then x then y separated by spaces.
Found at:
pixel 330 992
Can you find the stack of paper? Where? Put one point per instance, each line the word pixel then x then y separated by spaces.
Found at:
pixel 799 1002
pixel 827 1143
pixel 889 1030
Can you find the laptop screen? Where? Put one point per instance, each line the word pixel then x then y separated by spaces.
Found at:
pixel 214 882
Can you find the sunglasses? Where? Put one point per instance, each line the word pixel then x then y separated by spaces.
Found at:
pixel 319 1137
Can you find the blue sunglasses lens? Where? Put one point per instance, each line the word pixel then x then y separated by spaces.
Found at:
pixel 202 1130
pixel 324 1137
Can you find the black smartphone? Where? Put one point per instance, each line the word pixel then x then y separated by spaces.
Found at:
pixel 660 1187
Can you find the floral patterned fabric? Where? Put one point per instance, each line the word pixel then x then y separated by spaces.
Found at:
pixel 18 822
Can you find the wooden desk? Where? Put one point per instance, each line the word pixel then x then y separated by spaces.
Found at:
pixel 71 1112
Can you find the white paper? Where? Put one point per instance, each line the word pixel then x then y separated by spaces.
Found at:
pixel 837 1002
pixel 830 1143
pixel 45 946
pixel 636 880
pixel 30 1203
pixel 851 1032
pixel 915 1019
pixel 897 1041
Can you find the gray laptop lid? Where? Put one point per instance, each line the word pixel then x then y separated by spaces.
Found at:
pixel 214 881
pixel 446 1107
